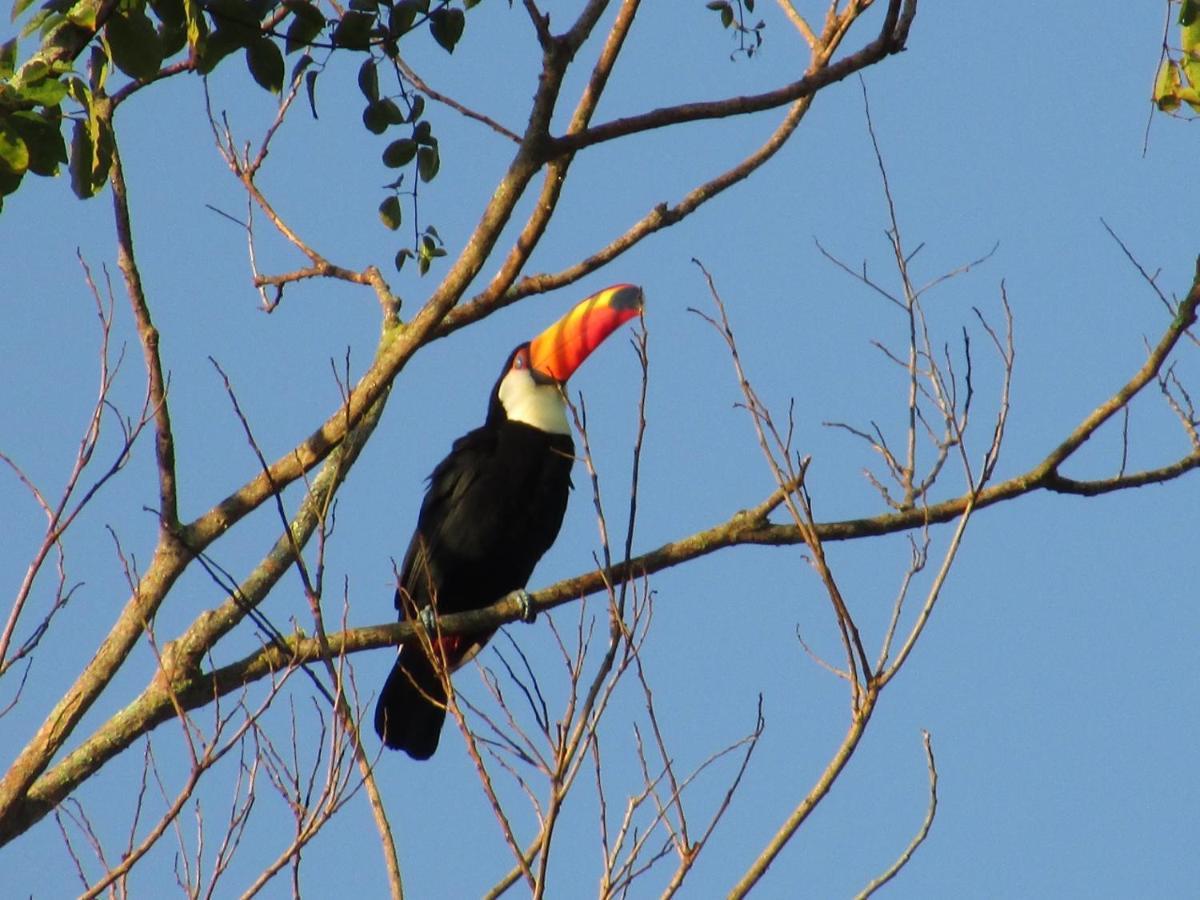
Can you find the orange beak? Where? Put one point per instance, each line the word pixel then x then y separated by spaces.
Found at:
pixel 559 350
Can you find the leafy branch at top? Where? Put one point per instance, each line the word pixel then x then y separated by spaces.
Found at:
pixel 1178 80
pixel 146 40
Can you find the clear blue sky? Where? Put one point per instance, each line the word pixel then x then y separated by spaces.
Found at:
pixel 1058 677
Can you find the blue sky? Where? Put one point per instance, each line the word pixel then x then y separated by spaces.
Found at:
pixel 1057 677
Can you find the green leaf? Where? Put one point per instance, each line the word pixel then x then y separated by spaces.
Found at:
pixel 48 92
pixel 428 163
pixel 81 161
pixel 1166 87
pixel 43 137
pixel 391 112
pixel 368 80
pixel 307 23
pixel 365 5
pixel 216 47
pixel 173 30
pixel 80 93
pixel 418 107
pixel 1191 97
pixel 136 48
pixel 173 37
pixel 423 134
pixel 1189 37
pixel 8 58
pixel 99 66
pixel 390 212
pixel 353 31
pixel 265 61
pixel 401 258
pixel 1191 70
pixel 14 154
pixel 1189 12
pixel 91 150
pixel 446 25
pixel 83 14
pixel 299 68
pixel 170 12
pixel 400 20
pixel 237 18
pixel 8 184
pixel 310 85
pixel 197 26
pixel 726 16
pixel 43 21
pixel 399 153
pixel 34 71
pixel 427 252
pixel 374 118
pixel 102 150
pixel 18 7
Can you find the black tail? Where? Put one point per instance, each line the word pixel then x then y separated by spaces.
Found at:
pixel 412 705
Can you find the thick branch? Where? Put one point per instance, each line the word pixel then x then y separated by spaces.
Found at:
pixel 1185 318
pixel 164 438
pixel 173 554
pixel 68 40
pixel 746 527
pixel 890 41
pixel 169 555
pixel 556 171
pixel 660 217
pixel 815 795
pixel 400 343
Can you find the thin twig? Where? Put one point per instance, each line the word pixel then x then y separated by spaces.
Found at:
pixel 922 832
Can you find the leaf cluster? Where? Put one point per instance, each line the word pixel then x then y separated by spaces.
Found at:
pixel 145 40
pixel 417 151
pixel 1178 80
pixel 30 122
pixel 750 37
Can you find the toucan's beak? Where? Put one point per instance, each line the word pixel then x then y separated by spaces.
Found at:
pixel 559 350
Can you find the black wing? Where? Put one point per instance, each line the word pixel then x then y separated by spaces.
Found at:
pixel 493 508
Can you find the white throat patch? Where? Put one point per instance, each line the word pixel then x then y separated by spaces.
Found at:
pixel 539 405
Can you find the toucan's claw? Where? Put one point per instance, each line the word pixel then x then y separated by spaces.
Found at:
pixel 528 612
pixel 428 618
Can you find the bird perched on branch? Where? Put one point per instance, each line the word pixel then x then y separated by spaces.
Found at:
pixel 493 507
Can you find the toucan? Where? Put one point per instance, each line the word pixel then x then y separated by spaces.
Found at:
pixel 494 505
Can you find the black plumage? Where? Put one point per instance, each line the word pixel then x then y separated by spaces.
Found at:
pixel 493 508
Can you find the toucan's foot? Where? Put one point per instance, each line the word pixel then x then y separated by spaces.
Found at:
pixel 428 619
pixel 528 613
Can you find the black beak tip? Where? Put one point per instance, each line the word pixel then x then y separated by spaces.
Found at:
pixel 628 297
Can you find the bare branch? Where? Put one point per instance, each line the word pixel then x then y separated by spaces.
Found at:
pixel 891 40
pixel 410 75
pixel 922 832
pixel 1151 280
pixel 61 516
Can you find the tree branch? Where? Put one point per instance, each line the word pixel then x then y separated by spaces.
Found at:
pixel 891 39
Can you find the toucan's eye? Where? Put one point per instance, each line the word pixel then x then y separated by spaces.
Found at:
pixel 521 360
